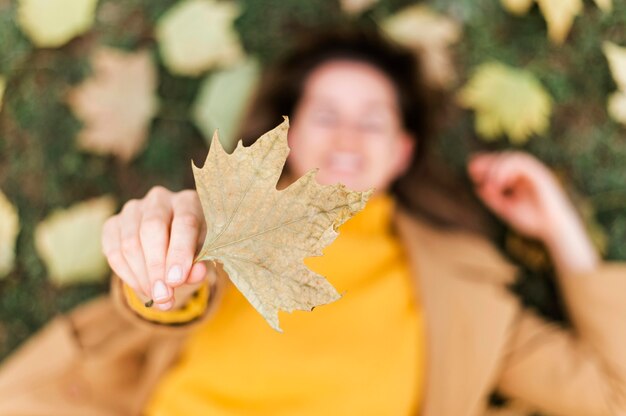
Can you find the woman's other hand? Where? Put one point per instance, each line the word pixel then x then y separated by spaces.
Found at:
pixel 152 242
pixel 524 193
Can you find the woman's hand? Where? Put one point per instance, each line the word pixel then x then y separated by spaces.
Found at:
pixel 524 193
pixel 152 242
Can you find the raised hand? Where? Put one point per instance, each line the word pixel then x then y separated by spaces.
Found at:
pixel 524 193
pixel 152 242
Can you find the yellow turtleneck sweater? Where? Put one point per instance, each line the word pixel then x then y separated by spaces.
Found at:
pixel 361 355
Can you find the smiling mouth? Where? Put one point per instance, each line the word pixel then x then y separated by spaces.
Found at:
pixel 344 162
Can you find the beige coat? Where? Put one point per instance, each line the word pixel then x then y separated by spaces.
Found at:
pixel 103 360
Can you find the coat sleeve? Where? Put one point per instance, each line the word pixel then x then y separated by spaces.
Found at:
pixel 198 308
pixel 90 361
pixel 579 371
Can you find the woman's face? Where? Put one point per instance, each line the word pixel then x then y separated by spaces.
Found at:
pixel 348 124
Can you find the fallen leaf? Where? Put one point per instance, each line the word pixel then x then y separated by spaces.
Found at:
pixel 260 235
pixel 507 101
pixel 355 7
pixel 222 100
pixel 604 5
pixel 518 7
pixel 53 23
pixel 616 56
pixel 68 241
pixel 616 103
pixel 430 34
pixel 117 103
pixel 616 106
pixel 196 35
pixel 559 15
pixel 3 84
pixel 9 229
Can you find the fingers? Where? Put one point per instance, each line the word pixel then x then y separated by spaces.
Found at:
pixel 187 223
pixel 501 179
pixel 112 250
pixel 198 273
pixel 152 242
pixel 500 172
pixel 154 237
pixel 132 250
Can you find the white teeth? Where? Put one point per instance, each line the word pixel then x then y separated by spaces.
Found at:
pixel 345 162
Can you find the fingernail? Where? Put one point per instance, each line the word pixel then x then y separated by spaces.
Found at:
pixel 160 291
pixel 165 306
pixel 175 275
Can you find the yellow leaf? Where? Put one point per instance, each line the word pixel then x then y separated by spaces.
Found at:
pixel 3 84
pixel 52 23
pixel 559 15
pixel 616 56
pixel 117 103
pixel 507 101
pixel 195 35
pixel 260 235
pixel 356 6
pixel 616 106
pixel 222 99
pixel 518 7
pixel 605 5
pixel 68 241
pixel 430 34
pixel 9 229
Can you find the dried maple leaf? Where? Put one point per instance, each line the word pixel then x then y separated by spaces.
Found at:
pixel 9 228
pixel 117 103
pixel 68 241
pixel 429 33
pixel 195 35
pixel 261 235
pixel 52 23
pixel 507 101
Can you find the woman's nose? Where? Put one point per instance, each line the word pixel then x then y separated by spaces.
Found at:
pixel 347 137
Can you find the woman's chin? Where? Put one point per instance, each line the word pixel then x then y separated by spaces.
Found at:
pixel 351 181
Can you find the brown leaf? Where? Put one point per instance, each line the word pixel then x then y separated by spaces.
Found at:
pixel 262 235
pixel 116 103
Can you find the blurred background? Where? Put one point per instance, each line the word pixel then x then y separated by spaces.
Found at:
pixel 103 99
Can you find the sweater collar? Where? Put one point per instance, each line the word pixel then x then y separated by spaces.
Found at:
pixel 374 219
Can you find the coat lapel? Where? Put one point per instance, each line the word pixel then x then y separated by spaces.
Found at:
pixel 468 311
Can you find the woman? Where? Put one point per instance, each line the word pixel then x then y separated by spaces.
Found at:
pixel 426 324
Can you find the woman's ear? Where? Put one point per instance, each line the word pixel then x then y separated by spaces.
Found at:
pixel 406 148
